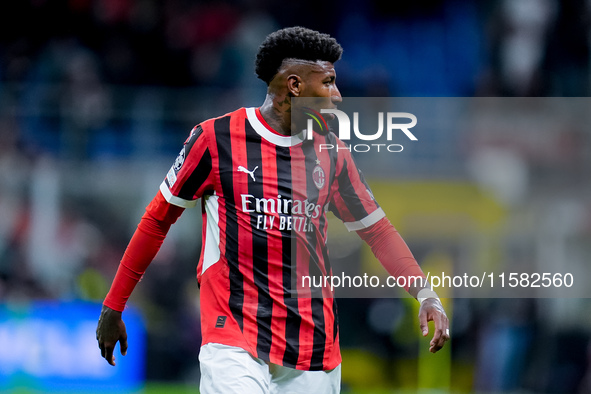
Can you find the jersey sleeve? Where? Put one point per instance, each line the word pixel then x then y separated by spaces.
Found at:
pixel 353 201
pixel 191 174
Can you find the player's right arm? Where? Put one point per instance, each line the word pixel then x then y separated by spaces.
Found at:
pixel 189 177
pixel 140 252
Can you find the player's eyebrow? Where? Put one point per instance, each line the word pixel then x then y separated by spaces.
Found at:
pixel 329 73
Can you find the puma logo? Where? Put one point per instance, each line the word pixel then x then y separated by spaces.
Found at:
pixel 251 173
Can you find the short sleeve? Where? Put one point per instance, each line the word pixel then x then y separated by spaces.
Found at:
pixel 191 174
pixel 353 201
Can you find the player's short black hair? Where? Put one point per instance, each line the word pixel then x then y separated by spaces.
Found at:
pixel 297 43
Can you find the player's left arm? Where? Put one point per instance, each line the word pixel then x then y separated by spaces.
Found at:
pixel 355 205
pixel 393 253
pixel 431 309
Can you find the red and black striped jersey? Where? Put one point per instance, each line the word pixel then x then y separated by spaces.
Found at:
pixel 264 203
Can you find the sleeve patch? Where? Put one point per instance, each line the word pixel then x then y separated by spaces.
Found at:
pixel 171 177
pixel 180 159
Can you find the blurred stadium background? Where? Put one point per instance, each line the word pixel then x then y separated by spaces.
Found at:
pixel 97 96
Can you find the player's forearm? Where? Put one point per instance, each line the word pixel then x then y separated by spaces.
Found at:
pixel 392 252
pixel 141 250
pixel 139 254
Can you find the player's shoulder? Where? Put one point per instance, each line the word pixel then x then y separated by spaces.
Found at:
pixel 237 112
pixel 221 122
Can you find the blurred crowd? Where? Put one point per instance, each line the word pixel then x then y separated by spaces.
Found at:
pixel 96 97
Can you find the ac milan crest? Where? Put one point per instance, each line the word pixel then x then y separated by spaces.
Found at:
pixel 319 177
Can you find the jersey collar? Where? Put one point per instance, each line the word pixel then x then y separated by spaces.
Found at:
pixel 270 135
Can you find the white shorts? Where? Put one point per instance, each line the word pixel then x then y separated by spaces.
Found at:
pixel 229 369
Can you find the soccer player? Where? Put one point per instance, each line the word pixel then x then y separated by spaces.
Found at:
pixel 265 190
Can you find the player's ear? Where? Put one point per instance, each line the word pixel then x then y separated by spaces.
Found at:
pixel 294 85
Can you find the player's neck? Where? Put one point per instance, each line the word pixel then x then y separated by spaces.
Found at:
pixel 276 110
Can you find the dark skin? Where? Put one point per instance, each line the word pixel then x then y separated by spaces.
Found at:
pixel 110 330
pixel 298 78
pixel 432 310
pixel 295 78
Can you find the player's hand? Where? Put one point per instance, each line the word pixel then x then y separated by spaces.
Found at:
pixel 432 310
pixel 110 330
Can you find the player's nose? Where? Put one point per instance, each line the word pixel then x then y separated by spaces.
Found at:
pixel 336 95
